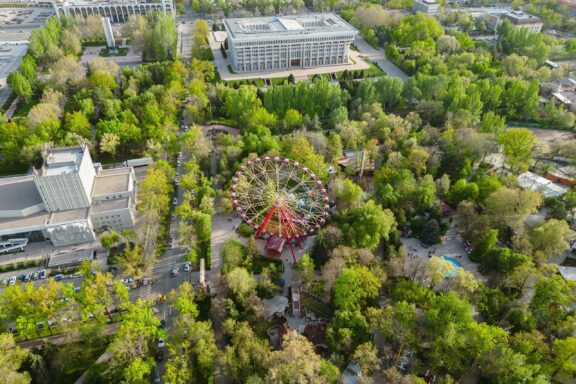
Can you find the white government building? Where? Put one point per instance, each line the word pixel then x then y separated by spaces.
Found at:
pixel 66 200
pixel 117 10
pixel 284 42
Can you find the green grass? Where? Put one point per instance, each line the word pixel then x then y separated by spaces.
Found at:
pixel 278 80
pixel 256 82
pixel 111 53
pixel 71 373
pixel 319 309
pixel 25 107
pixel 374 70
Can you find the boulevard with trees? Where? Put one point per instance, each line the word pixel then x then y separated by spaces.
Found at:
pixel 507 317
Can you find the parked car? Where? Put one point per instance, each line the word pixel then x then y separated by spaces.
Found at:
pixel 27 277
pixel 178 163
pixel 187 267
pixel 35 276
pixel 43 274
pixel 12 280
pixel 77 289
pixel 174 271
pixel 175 201
pixel 58 277
pixel 157 376
pixel 176 181
pixel 6 281
pixel 161 343
pixel 179 154
pixel 128 280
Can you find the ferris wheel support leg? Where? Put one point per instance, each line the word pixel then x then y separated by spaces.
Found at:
pixel 266 220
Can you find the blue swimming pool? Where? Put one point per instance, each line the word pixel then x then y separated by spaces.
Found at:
pixel 455 263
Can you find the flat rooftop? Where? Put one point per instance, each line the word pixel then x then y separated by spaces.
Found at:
pixel 286 25
pixel 23 223
pixel 60 161
pixel 112 181
pixel 69 215
pixel 522 17
pixel 17 193
pixel 99 206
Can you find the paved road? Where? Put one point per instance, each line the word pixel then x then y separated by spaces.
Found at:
pixel 379 57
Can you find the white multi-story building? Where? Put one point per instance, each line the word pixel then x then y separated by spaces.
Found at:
pixel 521 19
pixel 429 7
pixel 66 200
pixel 284 42
pixel 117 10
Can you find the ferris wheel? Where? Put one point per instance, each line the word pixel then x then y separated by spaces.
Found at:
pixel 279 198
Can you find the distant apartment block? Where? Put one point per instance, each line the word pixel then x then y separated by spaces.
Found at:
pixel 284 42
pixel 117 10
pixel 429 7
pixel 66 200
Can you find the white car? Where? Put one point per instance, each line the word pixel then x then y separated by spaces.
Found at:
pixel 28 277
pixel 128 280
pixel 175 201
pixel 12 280
pixel 187 267
pixel 35 276
pixel 161 343
pixel 43 274
pixel 178 163
pixel 176 181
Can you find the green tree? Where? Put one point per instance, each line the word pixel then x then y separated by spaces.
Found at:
pixel 354 287
pixel 297 362
pixel 11 359
pixel 518 144
pixel 367 226
pixel 20 85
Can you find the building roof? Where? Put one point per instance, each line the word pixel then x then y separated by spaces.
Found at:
pixel 69 215
pixel 540 184
pixel 519 17
pixel 23 224
pixel 568 273
pixel 60 161
pixel 285 25
pixel 109 181
pixel 18 193
pixel 99 206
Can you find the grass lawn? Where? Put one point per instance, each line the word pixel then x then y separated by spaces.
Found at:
pixel 117 52
pixel 374 70
pixel 71 373
pixel 278 80
pixel 25 107
pixel 319 309
pixel 256 82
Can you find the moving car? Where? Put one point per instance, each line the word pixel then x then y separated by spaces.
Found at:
pixel 58 277
pixel 175 201
pixel 187 267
